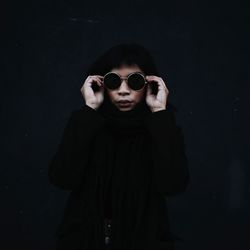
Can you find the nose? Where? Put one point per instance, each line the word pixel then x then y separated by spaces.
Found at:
pixel 124 88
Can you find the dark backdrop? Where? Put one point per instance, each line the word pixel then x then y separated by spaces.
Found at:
pixel 203 51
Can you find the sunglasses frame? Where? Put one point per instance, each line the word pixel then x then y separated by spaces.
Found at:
pixel 126 78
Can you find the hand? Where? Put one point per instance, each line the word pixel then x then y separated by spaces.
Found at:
pixel 156 102
pixel 93 99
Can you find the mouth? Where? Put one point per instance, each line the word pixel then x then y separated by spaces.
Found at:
pixel 124 103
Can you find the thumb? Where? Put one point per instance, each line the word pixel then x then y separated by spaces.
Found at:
pixel 100 93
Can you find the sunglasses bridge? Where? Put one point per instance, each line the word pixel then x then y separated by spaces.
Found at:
pixel 127 77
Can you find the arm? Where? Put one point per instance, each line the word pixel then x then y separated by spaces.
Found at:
pixel 171 174
pixel 67 166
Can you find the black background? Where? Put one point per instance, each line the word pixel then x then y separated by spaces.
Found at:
pixel 202 49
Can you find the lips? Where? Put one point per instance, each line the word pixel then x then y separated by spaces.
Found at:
pixel 124 101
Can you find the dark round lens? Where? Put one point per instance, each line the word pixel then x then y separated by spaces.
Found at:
pixel 112 81
pixel 136 81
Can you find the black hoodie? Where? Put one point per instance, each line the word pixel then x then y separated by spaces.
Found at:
pixel 120 165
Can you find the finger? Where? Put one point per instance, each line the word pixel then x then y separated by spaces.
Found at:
pixel 152 77
pixel 159 81
pixel 155 78
pixel 96 79
pixel 99 76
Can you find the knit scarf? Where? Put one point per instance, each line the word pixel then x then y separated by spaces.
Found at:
pixel 122 171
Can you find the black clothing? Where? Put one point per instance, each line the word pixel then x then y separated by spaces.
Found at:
pixel 120 165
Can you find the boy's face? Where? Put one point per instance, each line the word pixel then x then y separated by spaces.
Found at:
pixel 124 92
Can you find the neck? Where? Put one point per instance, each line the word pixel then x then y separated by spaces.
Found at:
pixel 124 121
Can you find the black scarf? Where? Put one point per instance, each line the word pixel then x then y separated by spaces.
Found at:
pixel 122 172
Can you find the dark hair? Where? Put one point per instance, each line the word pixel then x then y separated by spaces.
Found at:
pixel 125 54
pixel 128 54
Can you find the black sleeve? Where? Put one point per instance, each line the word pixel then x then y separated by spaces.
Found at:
pixel 171 174
pixel 66 168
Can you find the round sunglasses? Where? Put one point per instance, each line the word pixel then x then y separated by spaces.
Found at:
pixel 135 80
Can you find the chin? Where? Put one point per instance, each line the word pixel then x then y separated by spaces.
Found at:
pixel 125 108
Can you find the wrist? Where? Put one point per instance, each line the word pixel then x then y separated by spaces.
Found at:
pixel 156 110
pixel 91 106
